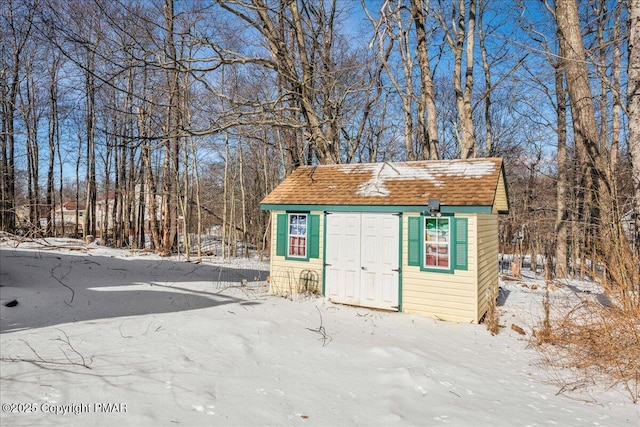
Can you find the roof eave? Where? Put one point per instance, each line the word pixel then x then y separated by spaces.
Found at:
pixel 445 209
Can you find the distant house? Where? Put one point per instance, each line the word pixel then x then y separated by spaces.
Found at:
pixel 415 237
pixel 138 205
pixel 64 216
pixel 23 217
pixel 68 211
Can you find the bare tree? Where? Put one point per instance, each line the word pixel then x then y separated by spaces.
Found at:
pixel 633 108
pixel 89 224
pixel 562 187
pixel 393 36
pixel 601 188
pixel 392 32
pixel 582 108
pixel 427 105
pixel 616 115
pixel 461 38
pixel 53 135
pixel 31 110
pixel 81 33
pixel 302 50
pixel 18 22
pixel 171 138
pixel 486 69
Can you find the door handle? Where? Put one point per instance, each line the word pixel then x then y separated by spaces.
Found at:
pixel 363 268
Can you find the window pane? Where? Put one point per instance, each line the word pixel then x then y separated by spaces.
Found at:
pixel 430 260
pixel 436 243
pixel 443 261
pixel 443 230
pixel 298 235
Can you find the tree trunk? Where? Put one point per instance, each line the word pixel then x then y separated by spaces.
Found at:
pixel 617 104
pixel 581 102
pixel 488 143
pixel 76 230
pixel 151 188
pixel 563 183
pixel 196 175
pixel 29 110
pixel 172 147
pixel 633 109
pixel 225 191
pixel 427 105
pixel 89 227
pixel 464 33
pixel 52 138
pixel 469 149
pixel 243 200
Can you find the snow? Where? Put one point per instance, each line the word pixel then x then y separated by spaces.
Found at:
pixel 179 343
pixel 383 172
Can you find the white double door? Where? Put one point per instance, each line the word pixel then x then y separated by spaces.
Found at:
pixel 362 257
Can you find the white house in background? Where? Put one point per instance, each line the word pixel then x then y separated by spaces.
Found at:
pixel 65 214
pixel 104 208
pixel 67 210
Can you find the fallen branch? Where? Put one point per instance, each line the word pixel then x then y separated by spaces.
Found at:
pixel 326 339
pixel 39 359
pixel 59 280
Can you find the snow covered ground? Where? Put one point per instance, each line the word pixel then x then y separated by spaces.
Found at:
pixel 107 337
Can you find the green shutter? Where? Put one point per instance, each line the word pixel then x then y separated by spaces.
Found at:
pixel 462 243
pixel 314 236
pixel 414 240
pixel 281 235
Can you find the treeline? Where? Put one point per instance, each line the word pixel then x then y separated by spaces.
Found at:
pixel 162 118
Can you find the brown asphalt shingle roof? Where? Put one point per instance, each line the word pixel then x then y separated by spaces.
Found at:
pixel 471 182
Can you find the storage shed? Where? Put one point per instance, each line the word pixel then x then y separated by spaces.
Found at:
pixel 415 237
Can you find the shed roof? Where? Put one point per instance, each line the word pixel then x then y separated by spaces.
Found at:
pixel 473 182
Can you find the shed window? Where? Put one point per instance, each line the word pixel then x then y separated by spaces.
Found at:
pixel 437 243
pixel 297 235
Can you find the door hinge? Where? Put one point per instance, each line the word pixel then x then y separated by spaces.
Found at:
pixel 326 265
pixel 397 307
pixel 398 270
pixel 397 214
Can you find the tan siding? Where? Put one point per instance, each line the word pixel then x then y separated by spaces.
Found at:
pixel 488 267
pixel 292 276
pixel 500 202
pixel 439 295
